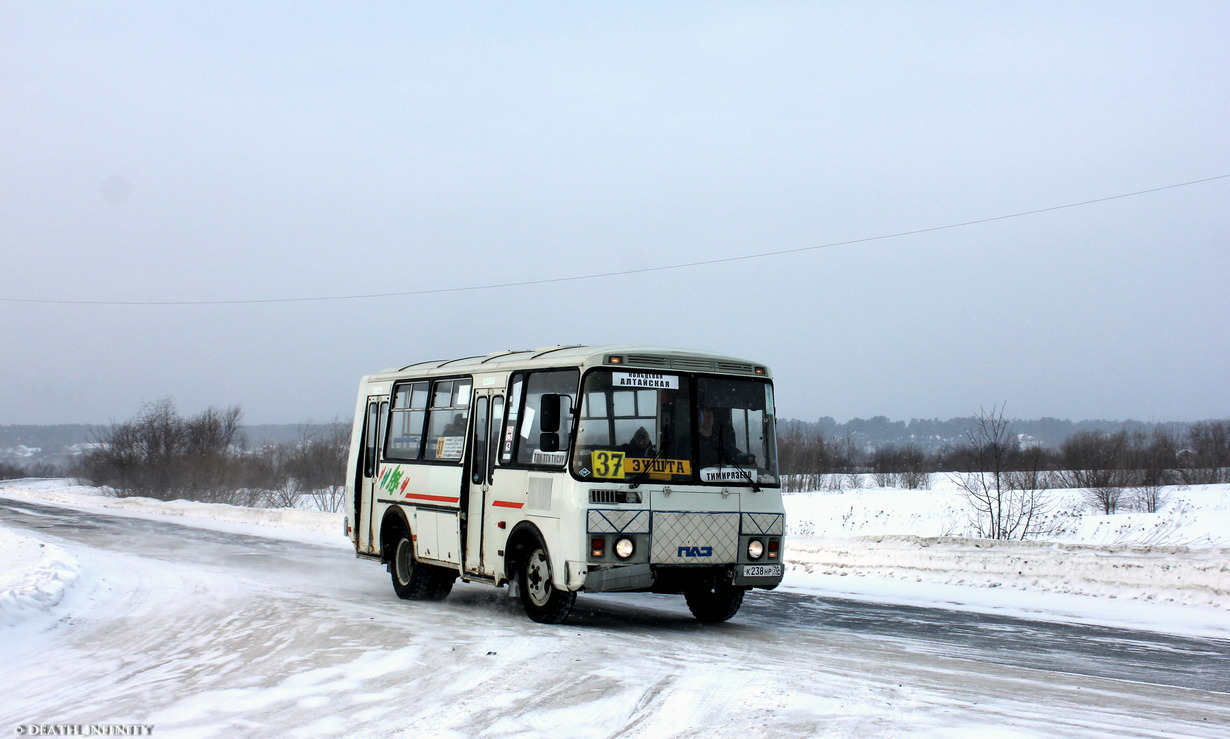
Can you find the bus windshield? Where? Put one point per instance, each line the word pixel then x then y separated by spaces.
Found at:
pixel 663 427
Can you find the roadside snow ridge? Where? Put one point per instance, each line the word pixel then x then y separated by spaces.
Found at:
pixel 34 577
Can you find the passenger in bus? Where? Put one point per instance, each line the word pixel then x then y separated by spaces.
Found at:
pixel 717 443
pixel 456 427
pixel 641 445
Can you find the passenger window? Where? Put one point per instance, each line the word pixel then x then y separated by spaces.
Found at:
pixel 405 438
pixel 447 420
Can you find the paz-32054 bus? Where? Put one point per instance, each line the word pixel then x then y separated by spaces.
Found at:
pixel 569 468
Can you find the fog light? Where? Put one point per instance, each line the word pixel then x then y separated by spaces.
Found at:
pixel 755 549
pixel 624 548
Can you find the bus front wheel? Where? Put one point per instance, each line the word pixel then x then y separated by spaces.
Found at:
pixel 714 602
pixel 543 602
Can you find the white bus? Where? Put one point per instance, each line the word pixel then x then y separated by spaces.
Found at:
pixel 569 468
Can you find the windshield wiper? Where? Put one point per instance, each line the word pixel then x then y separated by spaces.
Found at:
pixel 722 455
pixel 640 476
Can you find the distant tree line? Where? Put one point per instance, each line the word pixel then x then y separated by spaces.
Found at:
pixel 1088 459
pixel 932 434
pixel 161 454
pixel 14 471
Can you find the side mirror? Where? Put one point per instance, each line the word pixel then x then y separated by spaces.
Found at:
pixel 548 442
pixel 549 408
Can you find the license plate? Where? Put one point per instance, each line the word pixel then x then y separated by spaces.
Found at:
pixel 762 570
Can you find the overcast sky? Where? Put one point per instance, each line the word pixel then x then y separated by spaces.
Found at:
pixel 232 151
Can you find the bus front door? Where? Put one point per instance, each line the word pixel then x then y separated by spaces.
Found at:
pixel 484 447
pixel 368 473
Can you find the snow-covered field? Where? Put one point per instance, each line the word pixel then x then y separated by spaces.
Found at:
pixel 200 636
pixel 1166 571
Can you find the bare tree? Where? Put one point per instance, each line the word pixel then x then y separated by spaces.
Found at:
pixel 882 467
pixel 914 468
pixel 1006 490
pixel 811 461
pixel 11 471
pixel 213 442
pixel 1157 457
pixel 1101 465
pixel 159 454
pixel 906 467
pixel 1148 497
pixel 1208 458
pixel 316 464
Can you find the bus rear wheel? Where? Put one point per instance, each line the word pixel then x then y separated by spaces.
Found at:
pixel 713 603
pixel 413 580
pixel 543 602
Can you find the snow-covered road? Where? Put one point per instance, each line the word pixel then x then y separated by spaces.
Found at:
pixel 209 633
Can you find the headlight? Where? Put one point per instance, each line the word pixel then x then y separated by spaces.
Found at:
pixel 624 548
pixel 755 549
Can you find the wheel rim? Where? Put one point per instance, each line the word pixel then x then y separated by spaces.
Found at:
pixel 403 561
pixel 538 578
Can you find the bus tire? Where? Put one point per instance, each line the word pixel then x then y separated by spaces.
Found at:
pixel 413 580
pixel 713 603
pixel 542 601
pixel 439 582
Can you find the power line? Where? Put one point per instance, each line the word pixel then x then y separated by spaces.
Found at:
pixel 619 273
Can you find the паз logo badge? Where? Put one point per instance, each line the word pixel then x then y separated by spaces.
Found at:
pixel 695 552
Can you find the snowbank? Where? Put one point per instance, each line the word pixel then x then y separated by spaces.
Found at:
pixel 291 523
pixel 33 577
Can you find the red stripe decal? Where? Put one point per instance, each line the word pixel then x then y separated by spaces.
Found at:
pixel 506 504
pixel 434 498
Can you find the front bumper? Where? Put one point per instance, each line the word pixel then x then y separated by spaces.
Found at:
pixel 677 578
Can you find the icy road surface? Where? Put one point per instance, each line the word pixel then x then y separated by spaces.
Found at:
pixel 206 633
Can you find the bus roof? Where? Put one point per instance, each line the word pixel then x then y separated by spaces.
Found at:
pixel 633 356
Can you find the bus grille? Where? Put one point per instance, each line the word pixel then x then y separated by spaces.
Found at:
pixel 646 360
pixel 604 496
pixel 693 364
pixel 695 538
pixel 735 368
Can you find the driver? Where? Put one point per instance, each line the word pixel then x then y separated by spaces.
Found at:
pixel 641 446
pixel 717 443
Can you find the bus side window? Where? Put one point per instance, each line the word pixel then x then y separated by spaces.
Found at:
pixel 369 446
pixel 497 415
pixel 405 437
pixel 479 472
pixel 548 382
pixel 514 410
pixel 447 419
